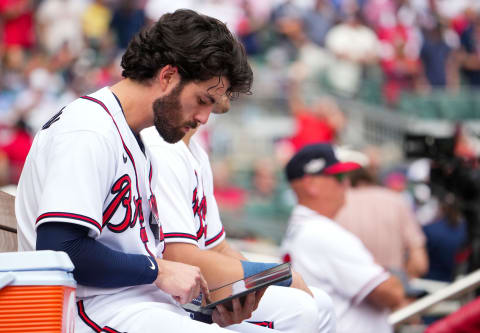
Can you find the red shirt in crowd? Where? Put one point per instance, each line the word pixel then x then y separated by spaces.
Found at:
pixel 18 27
pixel 311 129
pixel 15 143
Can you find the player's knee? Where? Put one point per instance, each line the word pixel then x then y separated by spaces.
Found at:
pixel 307 318
pixel 323 300
pixel 291 309
pixel 302 305
pixel 326 312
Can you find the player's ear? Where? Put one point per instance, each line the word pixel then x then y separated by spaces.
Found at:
pixel 167 77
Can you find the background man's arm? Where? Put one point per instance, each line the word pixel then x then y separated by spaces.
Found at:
pixel 388 294
pixel 417 262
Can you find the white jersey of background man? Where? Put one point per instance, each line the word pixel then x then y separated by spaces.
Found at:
pixel 104 185
pixel 189 214
pixel 334 259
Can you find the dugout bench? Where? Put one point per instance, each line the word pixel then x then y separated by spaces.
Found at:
pixel 8 223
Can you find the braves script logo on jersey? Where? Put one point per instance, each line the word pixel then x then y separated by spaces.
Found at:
pixel 122 190
pixel 199 209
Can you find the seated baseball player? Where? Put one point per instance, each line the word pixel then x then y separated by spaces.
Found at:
pixel 330 257
pixel 194 235
pixel 86 187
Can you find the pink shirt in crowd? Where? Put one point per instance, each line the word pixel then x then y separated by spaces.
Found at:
pixel 383 221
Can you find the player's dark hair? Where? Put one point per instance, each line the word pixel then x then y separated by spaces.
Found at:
pixel 201 47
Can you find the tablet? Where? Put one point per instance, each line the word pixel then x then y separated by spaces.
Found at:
pixel 239 289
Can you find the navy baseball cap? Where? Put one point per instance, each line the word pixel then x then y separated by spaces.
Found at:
pixel 317 159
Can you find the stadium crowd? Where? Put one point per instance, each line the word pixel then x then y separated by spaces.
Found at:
pixel 53 51
pixel 305 53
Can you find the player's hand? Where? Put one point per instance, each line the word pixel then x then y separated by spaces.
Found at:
pixel 223 317
pixel 297 282
pixel 184 282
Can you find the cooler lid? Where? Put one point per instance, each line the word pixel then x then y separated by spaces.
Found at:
pixel 35 261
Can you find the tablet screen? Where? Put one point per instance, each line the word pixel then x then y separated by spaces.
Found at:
pixel 250 284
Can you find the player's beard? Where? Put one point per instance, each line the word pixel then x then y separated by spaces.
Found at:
pixel 167 116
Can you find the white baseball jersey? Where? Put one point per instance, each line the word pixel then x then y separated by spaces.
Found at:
pixel 186 204
pixel 189 214
pixel 86 167
pixel 335 260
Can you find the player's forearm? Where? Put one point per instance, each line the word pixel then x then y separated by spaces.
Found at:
pixel 96 265
pixel 225 249
pixel 217 268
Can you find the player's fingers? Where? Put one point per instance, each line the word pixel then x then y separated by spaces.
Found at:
pixel 238 311
pixel 188 294
pixel 195 290
pixel 258 296
pixel 249 304
pixel 222 316
pixel 219 319
pixel 184 299
pixel 204 287
pixel 216 318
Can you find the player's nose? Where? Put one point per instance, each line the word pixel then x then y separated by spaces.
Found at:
pixel 202 116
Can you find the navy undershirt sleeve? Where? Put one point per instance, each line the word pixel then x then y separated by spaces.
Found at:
pixel 96 265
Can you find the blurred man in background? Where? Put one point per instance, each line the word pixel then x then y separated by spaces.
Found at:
pixel 328 256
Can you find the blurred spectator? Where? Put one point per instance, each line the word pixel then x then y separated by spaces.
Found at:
pixel 319 123
pixel 15 143
pixel 446 237
pixel 156 8
pixel 385 223
pixel 60 23
pixel 96 20
pixel 469 57
pixel 17 24
pixel 226 11
pixel 266 198
pixel 395 181
pixel 12 76
pixel 399 55
pixel 436 56
pixel 319 20
pixel 230 198
pixel 248 28
pixel 379 12
pixel 287 21
pixel 127 19
pixel 346 71
pixel 39 102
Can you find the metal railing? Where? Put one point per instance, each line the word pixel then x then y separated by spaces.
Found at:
pixel 458 288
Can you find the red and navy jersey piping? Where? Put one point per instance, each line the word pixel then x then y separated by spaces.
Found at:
pixel 76 217
pixel 215 238
pixel 268 324
pixel 90 323
pixel 180 235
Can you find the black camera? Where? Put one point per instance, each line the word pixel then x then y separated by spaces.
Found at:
pixel 454 179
